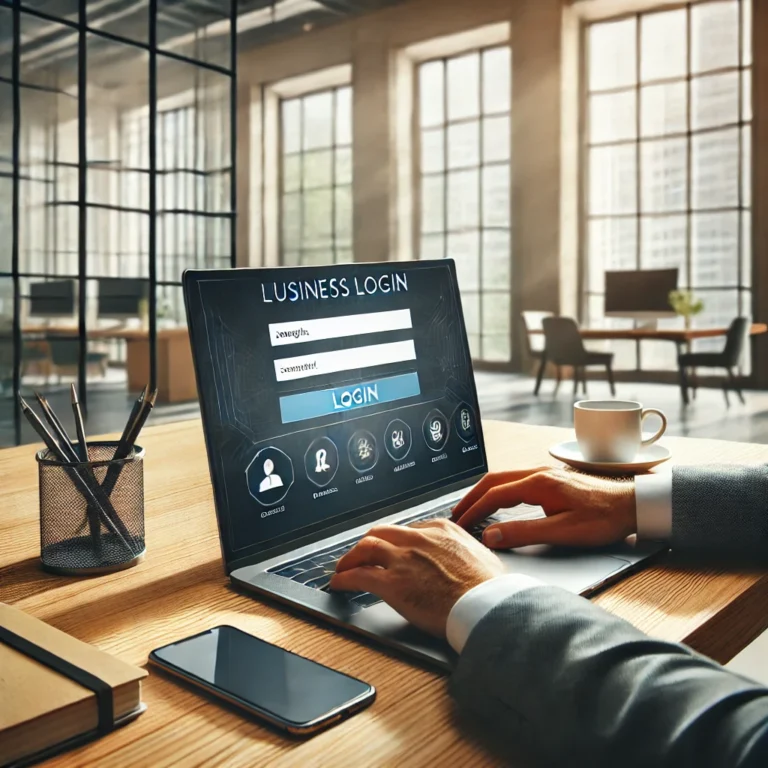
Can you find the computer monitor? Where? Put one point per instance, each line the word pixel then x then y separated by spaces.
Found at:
pixel 55 298
pixel 121 297
pixel 642 294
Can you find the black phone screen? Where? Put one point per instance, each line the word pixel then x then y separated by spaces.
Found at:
pixel 289 687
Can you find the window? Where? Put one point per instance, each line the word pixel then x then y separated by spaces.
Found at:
pixel 465 148
pixel 316 177
pixel 668 160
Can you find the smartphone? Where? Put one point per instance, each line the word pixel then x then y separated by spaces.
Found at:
pixel 290 692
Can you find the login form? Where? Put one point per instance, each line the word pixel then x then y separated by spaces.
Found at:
pixel 329 392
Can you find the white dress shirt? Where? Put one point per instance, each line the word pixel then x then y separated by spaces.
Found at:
pixel 653 501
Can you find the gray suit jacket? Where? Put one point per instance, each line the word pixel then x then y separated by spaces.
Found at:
pixel 548 676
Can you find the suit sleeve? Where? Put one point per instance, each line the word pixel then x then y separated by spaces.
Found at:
pixel 721 508
pixel 549 678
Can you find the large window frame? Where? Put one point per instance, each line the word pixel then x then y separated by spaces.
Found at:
pixel 741 207
pixel 488 296
pixel 339 248
pixel 55 232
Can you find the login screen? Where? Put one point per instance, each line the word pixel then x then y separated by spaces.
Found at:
pixel 330 391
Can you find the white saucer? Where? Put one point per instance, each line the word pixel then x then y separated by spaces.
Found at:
pixel 647 458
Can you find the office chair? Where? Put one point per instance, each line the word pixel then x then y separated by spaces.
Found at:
pixel 564 346
pixel 729 358
pixel 65 357
pixel 532 321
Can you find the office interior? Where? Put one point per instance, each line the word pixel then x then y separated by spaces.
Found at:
pixel 539 143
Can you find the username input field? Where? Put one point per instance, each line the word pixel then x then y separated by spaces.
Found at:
pixel 320 363
pixel 302 331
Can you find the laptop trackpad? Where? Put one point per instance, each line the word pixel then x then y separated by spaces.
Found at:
pixel 574 570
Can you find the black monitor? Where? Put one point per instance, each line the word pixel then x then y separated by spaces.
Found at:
pixel 121 297
pixel 55 298
pixel 640 293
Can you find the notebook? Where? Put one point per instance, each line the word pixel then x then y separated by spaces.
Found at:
pixel 43 711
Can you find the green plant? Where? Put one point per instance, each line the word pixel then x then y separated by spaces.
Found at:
pixel 685 303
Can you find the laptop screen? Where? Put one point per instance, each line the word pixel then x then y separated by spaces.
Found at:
pixel 329 393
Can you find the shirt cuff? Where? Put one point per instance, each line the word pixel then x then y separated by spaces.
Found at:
pixel 653 502
pixel 473 605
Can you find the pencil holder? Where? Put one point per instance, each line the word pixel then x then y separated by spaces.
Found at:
pixel 92 513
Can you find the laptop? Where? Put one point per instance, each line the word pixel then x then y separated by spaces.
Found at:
pixel 338 397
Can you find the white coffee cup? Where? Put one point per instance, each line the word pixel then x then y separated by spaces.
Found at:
pixel 611 430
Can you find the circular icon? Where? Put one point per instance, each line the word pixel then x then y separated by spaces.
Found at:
pixel 363 453
pixel 398 439
pixel 464 423
pixel 269 476
pixel 436 430
pixel 321 461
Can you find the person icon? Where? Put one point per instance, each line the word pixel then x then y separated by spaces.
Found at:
pixel 270 480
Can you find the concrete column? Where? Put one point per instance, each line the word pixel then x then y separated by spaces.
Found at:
pixel 374 197
pixel 760 189
pixel 536 161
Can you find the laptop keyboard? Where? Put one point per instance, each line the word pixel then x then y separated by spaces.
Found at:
pixel 315 570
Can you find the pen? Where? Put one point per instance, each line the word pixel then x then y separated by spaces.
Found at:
pixel 71 455
pixel 90 494
pixel 123 446
pixel 79 425
pixel 127 441
pixel 131 419
pixel 58 429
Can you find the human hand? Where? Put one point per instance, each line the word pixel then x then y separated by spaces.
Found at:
pixel 581 510
pixel 420 570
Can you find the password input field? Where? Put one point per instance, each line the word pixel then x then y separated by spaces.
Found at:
pixel 302 331
pixel 320 363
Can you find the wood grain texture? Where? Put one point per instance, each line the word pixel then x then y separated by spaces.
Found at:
pixel 181 589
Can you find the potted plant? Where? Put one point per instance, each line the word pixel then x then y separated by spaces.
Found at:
pixel 686 304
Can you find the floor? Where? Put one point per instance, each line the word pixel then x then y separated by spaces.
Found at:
pixel 507 397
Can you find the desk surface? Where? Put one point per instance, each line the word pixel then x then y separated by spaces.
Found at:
pixel 181 589
pixel 664 334
pixel 680 335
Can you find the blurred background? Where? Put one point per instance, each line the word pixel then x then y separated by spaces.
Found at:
pixel 539 143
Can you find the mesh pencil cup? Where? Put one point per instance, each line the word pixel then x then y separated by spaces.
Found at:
pixel 91 512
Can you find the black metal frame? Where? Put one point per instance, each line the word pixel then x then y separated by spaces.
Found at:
pixel 444 127
pixel 743 288
pixel 79 25
pixel 300 192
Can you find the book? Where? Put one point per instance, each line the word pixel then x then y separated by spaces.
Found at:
pixel 43 711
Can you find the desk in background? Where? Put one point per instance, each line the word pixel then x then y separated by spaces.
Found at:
pixel 175 370
pixel 181 589
pixel 681 337
pixel 678 336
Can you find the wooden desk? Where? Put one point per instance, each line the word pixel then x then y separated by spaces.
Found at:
pixel 679 336
pixel 175 370
pixel 682 337
pixel 181 589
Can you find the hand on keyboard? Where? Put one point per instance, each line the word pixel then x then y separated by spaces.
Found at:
pixel 420 570
pixel 580 510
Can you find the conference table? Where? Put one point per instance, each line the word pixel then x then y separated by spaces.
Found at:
pixel 682 337
pixel 180 589
pixel 679 336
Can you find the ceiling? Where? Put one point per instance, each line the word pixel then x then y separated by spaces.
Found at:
pixel 196 28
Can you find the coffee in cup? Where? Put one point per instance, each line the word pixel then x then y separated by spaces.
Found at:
pixel 611 430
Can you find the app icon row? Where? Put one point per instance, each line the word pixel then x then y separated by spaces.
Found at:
pixel 270 474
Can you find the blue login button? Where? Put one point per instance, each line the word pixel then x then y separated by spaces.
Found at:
pixel 310 405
